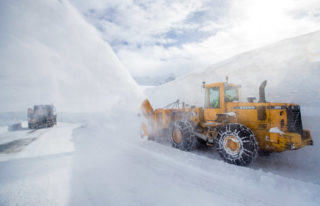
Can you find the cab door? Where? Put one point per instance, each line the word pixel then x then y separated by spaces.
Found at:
pixel 214 103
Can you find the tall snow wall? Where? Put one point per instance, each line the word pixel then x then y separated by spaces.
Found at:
pixel 50 55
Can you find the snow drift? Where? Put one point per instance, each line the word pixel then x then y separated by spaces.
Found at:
pixel 50 54
pixel 291 68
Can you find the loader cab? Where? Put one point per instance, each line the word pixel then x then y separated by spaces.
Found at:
pixel 216 97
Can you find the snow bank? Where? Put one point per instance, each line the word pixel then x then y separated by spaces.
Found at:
pixel 290 66
pixel 50 54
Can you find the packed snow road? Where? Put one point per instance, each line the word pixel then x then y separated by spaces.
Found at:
pixel 39 173
pixel 107 166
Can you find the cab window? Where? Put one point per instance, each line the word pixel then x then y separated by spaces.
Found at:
pixel 231 94
pixel 213 97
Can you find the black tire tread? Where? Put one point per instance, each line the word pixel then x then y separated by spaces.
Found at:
pixel 249 147
pixel 189 141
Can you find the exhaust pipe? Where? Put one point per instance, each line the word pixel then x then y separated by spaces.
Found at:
pixel 262 95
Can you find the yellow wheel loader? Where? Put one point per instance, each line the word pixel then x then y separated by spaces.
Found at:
pixel 239 130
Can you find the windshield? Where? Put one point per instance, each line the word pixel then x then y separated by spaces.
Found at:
pixel 231 94
pixel 213 97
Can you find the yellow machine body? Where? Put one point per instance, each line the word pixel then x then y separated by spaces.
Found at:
pixel 277 126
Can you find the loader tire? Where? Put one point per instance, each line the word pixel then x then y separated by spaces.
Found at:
pixel 237 144
pixel 201 144
pixel 182 136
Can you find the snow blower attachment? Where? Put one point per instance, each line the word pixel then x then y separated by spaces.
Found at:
pixel 239 130
pixel 42 116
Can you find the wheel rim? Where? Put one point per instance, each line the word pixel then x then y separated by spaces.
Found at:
pixel 231 145
pixel 177 135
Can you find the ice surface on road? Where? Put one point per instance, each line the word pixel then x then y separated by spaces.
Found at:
pixel 47 141
pixel 53 141
pixel 40 173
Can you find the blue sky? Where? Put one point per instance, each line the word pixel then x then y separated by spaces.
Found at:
pixel 156 37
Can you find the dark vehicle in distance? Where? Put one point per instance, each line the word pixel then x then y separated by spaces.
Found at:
pixel 42 116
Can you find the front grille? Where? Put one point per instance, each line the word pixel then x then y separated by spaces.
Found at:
pixel 294 119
